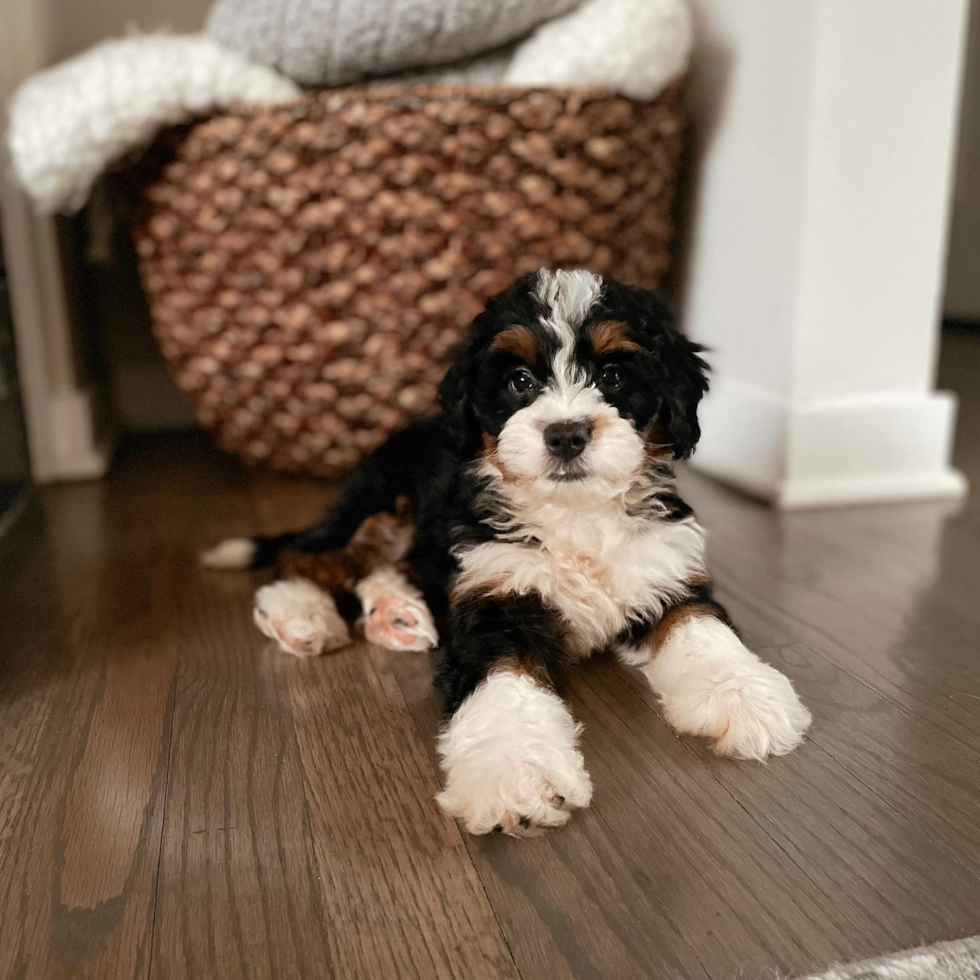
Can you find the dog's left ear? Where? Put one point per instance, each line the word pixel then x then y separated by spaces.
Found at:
pixel 684 382
pixel 674 370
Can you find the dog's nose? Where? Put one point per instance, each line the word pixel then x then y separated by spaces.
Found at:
pixel 566 440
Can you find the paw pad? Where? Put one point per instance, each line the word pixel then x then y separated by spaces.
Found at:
pixel 400 622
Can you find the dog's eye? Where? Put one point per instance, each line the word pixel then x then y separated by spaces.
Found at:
pixel 522 381
pixel 611 378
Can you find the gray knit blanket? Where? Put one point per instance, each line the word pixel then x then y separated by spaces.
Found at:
pixel 333 42
pixel 957 960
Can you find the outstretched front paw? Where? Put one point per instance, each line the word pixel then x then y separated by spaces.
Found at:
pixel 751 713
pixel 519 799
pixel 511 759
pixel 711 685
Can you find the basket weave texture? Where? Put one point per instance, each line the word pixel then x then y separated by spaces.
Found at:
pixel 310 267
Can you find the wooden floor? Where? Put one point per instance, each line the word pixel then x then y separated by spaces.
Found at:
pixel 177 800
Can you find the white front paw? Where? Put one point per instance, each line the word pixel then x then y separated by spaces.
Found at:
pixel 511 760
pixel 748 717
pixel 711 685
pixel 519 799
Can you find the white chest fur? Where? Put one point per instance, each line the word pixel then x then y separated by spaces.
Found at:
pixel 597 567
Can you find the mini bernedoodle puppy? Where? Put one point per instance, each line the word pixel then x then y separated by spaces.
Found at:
pixel 547 528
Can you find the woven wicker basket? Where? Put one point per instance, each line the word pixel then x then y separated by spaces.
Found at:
pixel 310 267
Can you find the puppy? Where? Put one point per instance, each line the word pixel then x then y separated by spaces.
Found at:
pixel 548 528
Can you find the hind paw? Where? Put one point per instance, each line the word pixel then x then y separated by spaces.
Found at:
pixel 396 616
pixel 302 619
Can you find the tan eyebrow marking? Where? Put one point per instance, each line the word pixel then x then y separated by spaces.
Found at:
pixel 518 340
pixel 611 336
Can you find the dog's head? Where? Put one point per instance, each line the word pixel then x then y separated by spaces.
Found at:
pixel 570 381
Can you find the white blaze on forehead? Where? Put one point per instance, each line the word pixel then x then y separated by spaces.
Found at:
pixel 567 298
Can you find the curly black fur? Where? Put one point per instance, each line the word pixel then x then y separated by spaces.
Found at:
pixel 428 462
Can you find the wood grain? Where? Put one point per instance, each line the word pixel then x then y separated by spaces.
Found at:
pixel 399 895
pixel 901 625
pixel 237 882
pixel 570 904
pixel 78 872
pixel 178 800
pixel 826 800
pixel 744 904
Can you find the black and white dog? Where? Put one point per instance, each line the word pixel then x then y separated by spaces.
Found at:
pixel 547 529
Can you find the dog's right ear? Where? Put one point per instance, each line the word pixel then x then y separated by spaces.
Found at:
pixel 457 412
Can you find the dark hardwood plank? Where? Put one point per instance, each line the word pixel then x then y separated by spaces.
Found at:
pixel 398 891
pixel 735 895
pixel 909 763
pixel 179 800
pixel 29 612
pixel 570 904
pixel 903 624
pixel 79 862
pixel 864 820
pixel 237 892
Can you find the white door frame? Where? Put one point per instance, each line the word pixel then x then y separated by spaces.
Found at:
pixel 68 425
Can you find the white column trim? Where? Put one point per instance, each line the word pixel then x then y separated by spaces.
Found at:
pixel 818 230
pixel 66 439
pixel 828 452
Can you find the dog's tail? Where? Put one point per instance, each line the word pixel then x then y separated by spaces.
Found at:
pixel 235 554
pixel 393 471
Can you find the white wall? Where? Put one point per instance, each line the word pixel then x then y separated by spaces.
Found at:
pixel 881 140
pixel 76 25
pixel 963 282
pixel 817 247
pixel 750 76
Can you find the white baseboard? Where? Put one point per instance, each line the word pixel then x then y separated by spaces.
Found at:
pixel 804 494
pixel 82 448
pixel 825 453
